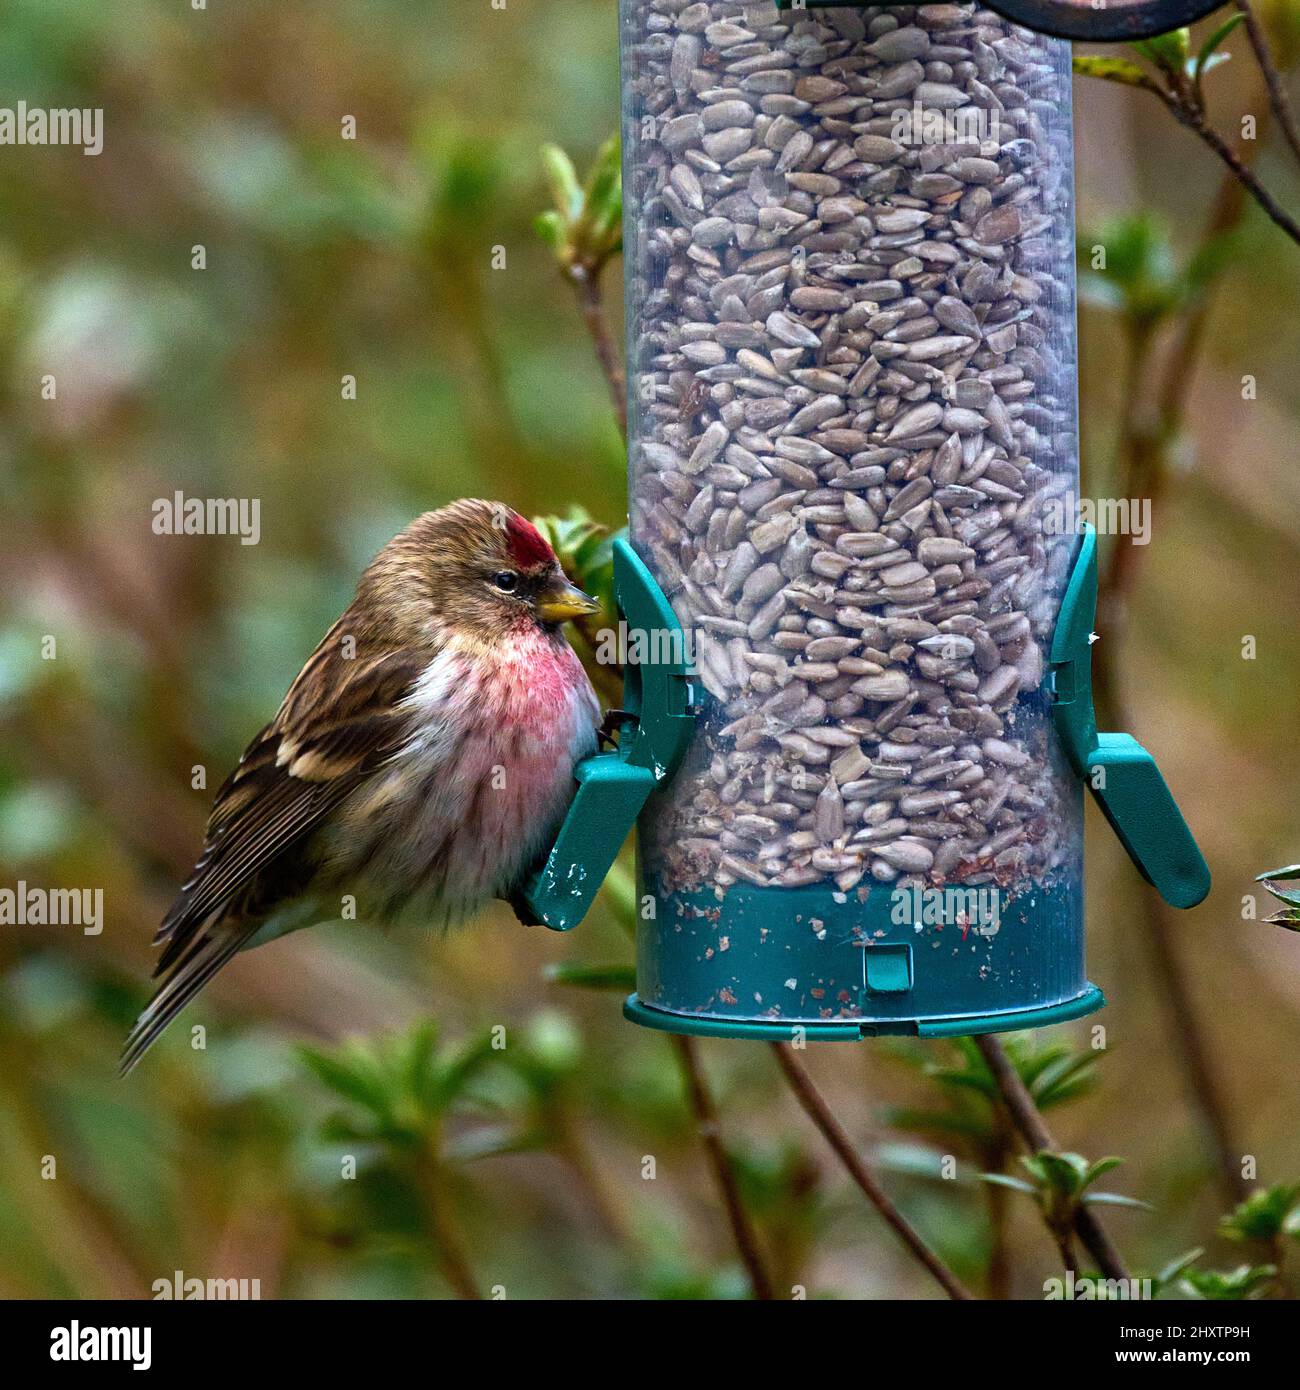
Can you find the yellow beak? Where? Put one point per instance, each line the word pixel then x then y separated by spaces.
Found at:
pixel 565 601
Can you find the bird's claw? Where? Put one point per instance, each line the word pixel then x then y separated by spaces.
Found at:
pixel 612 724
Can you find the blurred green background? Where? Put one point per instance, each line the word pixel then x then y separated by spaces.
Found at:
pixel 327 257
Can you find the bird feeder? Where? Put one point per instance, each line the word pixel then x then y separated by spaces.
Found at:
pixel 858 601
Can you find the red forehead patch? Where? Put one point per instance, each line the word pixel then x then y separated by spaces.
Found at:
pixel 527 545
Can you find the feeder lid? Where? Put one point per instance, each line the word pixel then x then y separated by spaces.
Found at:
pixel 1098 21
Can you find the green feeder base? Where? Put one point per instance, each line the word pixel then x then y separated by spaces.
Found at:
pixel 1010 1021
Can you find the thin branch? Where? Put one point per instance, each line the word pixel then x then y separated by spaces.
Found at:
pixel 810 1099
pixel 572 1150
pixel 1183 102
pixel 1032 1128
pixel 1194 119
pixel 1065 1244
pixel 1277 95
pixel 585 280
pixel 998 1285
pixel 449 1242
pixel 709 1130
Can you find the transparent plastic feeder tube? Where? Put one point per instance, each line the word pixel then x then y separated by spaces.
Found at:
pixel 853 471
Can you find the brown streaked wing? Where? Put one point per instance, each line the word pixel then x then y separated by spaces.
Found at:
pixel 339 721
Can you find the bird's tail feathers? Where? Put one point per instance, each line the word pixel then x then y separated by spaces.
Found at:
pixel 186 977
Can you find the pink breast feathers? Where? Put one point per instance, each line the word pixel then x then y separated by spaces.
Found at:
pixel 543 690
pixel 541 719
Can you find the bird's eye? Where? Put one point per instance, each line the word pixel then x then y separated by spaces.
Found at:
pixel 506 580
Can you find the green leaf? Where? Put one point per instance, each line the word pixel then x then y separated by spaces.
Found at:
pixel 1067 1173
pixel 1032 1064
pixel 1115 1199
pixel 552 229
pixel 915 1160
pixel 467 170
pixel 1099 290
pixel 563 179
pixel 585 550
pixel 350 1075
pixel 1289 896
pixel 1288 920
pixel 1141 277
pixel 1065 1078
pixel 1005 1180
pixel 1112 70
pixel 1229 1286
pixel 1290 871
pixel 492 1142
pixel 1215 61
pixel 1102 1165
pixel 414 1056
pixel 938 1122
pixel 609 223
pixel 450 1085
pixel 621 978
pixel 1177 1266
pixel 964 1081
pixel 339 1129
pixel 1168 51
pixel 604 192
pixel 1199 66
pixel 586 228
pixel 21 669
pixel 1263 1214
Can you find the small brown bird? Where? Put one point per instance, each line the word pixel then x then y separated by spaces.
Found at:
pixel 420 762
